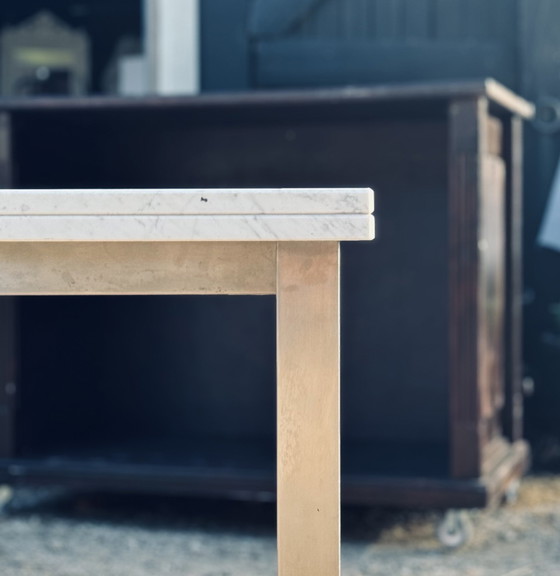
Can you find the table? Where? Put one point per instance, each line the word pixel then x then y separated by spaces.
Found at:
pixel 208 241
pixel 443 429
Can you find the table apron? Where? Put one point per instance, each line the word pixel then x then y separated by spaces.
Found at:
pixel 109 268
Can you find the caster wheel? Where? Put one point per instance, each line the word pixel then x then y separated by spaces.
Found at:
pixel 456 529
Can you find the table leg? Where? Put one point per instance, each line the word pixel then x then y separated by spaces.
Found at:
pixel 308 409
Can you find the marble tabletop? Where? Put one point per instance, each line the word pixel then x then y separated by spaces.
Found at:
pixel 138 215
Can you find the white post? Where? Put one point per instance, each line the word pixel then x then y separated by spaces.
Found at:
pixel 172 46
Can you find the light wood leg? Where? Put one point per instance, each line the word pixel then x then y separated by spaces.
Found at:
pixel 308 409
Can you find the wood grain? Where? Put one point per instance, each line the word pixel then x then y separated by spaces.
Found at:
pixel 138 268
pixel 495 135
pixel 468 144
pixel 308 408
pixel 491 295
pixel 379 92
pixel 509 100
pixel 513 329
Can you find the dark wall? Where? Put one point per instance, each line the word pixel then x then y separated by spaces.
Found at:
pixel 224 45
pixel 333 42
pixel 372 41
pixel 539 64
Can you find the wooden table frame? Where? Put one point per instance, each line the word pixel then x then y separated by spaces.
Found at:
pixel 60 242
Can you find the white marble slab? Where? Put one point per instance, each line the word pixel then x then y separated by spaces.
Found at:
pixel 167 228
pixel 186 201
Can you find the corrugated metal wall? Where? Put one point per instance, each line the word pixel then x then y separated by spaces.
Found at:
pixel 357 41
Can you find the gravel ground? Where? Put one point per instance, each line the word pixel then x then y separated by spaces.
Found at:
pixel 62 534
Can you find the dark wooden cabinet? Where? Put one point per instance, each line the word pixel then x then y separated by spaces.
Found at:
pixel 312 43
pixel 178 393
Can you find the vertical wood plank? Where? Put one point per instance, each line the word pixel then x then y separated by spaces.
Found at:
pixel 450 19
pixel 308 410
pixel 417 19
pixel 278 17
pixel 370 17
pixel 495 136
pixel 358 12
pixel 500 24
pixel 467 146
pixel 349 25
pixel 513 329
pixel 491 242
pixel 389 18
pixel 327 18
pixel 225 47
pixel 477 20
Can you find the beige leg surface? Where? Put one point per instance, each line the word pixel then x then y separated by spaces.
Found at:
pixel 308 409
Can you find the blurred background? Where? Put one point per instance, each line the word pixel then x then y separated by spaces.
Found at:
pixel 176 58
pixel 130 47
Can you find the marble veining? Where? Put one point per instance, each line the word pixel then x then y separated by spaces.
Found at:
pixel 185 228
pixel 187 201
pixel 186 215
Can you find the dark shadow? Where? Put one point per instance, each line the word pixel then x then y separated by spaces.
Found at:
pixel 359 523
